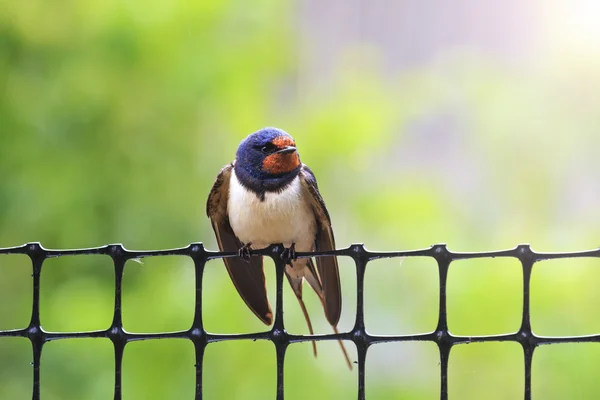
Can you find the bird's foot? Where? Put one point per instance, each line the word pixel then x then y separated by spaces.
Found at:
pixel 288 255
pixel 244 252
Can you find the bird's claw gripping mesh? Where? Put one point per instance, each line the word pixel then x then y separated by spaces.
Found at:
pixel 278 335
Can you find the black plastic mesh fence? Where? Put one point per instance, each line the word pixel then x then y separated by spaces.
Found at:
pixel 280 338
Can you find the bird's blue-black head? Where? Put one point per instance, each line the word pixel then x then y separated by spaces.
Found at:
pixel 267 161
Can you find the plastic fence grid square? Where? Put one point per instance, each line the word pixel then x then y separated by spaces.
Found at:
pixel 81 287
pixel 404 370
pixel 157 369
pixel 219 295
pixel 401 296
pixel 77 369
pixel 441 337
pixel 15 358
pixel 491 371
pixel 561 291
pixel 484 296
pixel 15 289
pixel 158 294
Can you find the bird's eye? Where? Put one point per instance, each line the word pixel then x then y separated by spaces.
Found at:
pixel 268 148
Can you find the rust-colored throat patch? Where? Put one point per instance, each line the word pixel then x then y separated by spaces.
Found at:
pixel 280 163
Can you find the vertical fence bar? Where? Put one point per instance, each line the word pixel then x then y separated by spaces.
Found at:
pixel 444 343
pixel 197 333
pixel 116 332
pixel 34 330
pixel 278 335
pixel 359 333
pixel 526 337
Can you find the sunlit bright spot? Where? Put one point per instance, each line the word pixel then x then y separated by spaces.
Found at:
pixel 575 24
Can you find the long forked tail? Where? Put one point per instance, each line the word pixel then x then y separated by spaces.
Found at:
pixel 307 318
pixel 335 329
pixel 311 277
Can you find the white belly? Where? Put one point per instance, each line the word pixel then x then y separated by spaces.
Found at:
pixel 282 217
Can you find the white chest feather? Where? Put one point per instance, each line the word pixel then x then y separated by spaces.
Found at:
pixel 283 217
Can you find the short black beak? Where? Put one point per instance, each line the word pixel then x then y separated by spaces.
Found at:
pixel 286 150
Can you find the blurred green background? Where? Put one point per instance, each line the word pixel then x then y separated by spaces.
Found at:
pixel 473 124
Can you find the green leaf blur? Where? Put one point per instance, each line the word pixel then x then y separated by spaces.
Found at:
pixel 116 116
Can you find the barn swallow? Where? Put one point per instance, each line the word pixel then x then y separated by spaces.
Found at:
pixel 267 196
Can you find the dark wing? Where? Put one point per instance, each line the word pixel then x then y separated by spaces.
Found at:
pixel 248 278
pixel 324 241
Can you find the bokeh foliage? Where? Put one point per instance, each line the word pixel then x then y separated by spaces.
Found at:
pixel 115 117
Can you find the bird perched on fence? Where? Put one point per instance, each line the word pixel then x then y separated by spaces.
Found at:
pixel 267 196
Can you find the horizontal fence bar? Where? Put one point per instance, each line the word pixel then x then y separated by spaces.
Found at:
pixel 444 339
pixel 353 250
